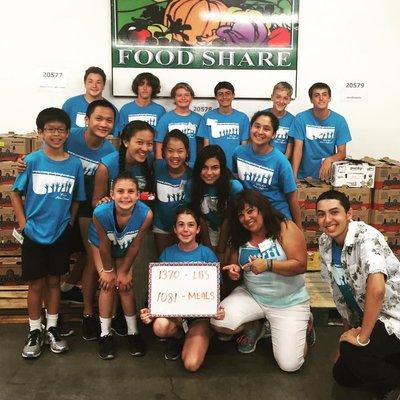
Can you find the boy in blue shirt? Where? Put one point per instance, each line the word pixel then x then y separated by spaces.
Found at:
pixel 281 97
pixel 145 86
pixel 320 136
pixel 224 125
pixel 94 80
pixel 52 184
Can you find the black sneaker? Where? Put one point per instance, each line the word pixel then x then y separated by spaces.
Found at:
pixel 106 347
pixel 90 327
pixel 394 394
pixel 174 348
pixel 118 325
pixel 136 345
pixel 311 336
pixel 73 295
pixel 64 329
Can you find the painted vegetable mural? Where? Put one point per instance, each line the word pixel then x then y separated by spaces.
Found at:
pixel 256 23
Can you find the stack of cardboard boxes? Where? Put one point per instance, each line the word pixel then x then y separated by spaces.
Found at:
pixel 11 147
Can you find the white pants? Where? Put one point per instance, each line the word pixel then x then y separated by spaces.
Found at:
pixel 288 325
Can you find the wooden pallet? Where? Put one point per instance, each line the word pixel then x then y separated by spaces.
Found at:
pixel 319 291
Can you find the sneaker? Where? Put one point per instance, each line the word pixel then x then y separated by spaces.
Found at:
pixel 174 348
pixel 53 339
pixel 136 345
pixel 73 295
pixel 90 327
pixel 248 341
pixel 267 330
pixel 311 336
pixel 33 345
pixel 392 395
pixel 106 347
pixel 223 337
pixel 118 325
pixel 64 329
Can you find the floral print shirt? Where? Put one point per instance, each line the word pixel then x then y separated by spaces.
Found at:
pixel 364 252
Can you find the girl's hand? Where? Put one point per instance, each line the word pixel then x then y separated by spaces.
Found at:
pixel 233 271
pixel 21 164
pixel 105 199
pixel 107 280
pixel 145 316
pixel 256 265
pixel 124 281
pixel 220 313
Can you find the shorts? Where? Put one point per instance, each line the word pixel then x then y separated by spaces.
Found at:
pixel 40 260
pixel 85 209
pixel 77 245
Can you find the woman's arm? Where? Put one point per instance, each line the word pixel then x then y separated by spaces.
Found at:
pixel 205 236
pixel 100 191
pixel 233 269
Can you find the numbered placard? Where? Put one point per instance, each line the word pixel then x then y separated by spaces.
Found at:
pixel 52 78
pixel 183 289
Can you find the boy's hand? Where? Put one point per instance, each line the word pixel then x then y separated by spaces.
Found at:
pixel 124 281
pixel 325 169
pixel 107 280
pixel 145 316
pixel 233 271
pixel 21 164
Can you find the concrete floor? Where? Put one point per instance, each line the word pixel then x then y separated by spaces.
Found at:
pixel 81 375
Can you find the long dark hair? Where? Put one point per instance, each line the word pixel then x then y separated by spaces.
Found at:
pixel 127 133
pixel 272 218
pixel 222 184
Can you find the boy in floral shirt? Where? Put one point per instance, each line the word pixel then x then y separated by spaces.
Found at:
pixel 365 279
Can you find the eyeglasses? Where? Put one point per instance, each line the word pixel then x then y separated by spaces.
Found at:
pixel 54 130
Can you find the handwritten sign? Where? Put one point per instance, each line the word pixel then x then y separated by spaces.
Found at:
pixel 183 289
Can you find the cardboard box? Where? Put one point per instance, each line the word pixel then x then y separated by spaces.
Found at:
pixel 13 146
pixel 8 171
pixel 309 220
pixel 393 240
pixel 362 215
pixel 387 172
pixel 386 199
pixel 8 244
pixel 37 143
pixel 352 173
pixel 359 197
pixel 313 261
pixel 10 270
pixel 114 140
pixel 312 240
pixel 5 195
pixel 387 221
pixel 8 220
pixel 309 191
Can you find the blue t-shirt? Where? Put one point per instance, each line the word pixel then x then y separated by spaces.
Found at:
pixel 269 288
pixel 49 187
pixel 320 139
pixel 210 201
pixel 170 196
pixel 281 139
pixel 271 174
pixel 90 158
pixel 76 108
pixel 188 124
pixel 340 279
pixel 225 130
pixel 200 254
pixel 120 239
pixel 111 162
pixel 132 111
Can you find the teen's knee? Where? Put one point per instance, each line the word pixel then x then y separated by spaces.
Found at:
pixel 192 363
pixel 289 363
pixel 162 327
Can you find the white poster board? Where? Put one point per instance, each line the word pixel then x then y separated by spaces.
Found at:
pixel 183 289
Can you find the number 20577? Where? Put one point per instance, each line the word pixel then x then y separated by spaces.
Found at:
pixel 52 74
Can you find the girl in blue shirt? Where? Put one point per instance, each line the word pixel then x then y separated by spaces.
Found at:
pixel 194 343
pixel 115 237
pixel 171 175
pixel 134 155
pixel 208 193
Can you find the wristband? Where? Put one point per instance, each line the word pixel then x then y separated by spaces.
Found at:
pixel 269 265
pixel 360 343
pixel 106 270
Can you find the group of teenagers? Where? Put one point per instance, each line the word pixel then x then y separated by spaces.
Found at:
pixel 217 188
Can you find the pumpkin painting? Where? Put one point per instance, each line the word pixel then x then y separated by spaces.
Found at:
pixel 190 20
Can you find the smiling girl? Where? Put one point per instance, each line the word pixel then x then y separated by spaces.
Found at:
pixel 115 237
pixel 262 167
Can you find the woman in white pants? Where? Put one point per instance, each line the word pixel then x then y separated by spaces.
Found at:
pixel 270 252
